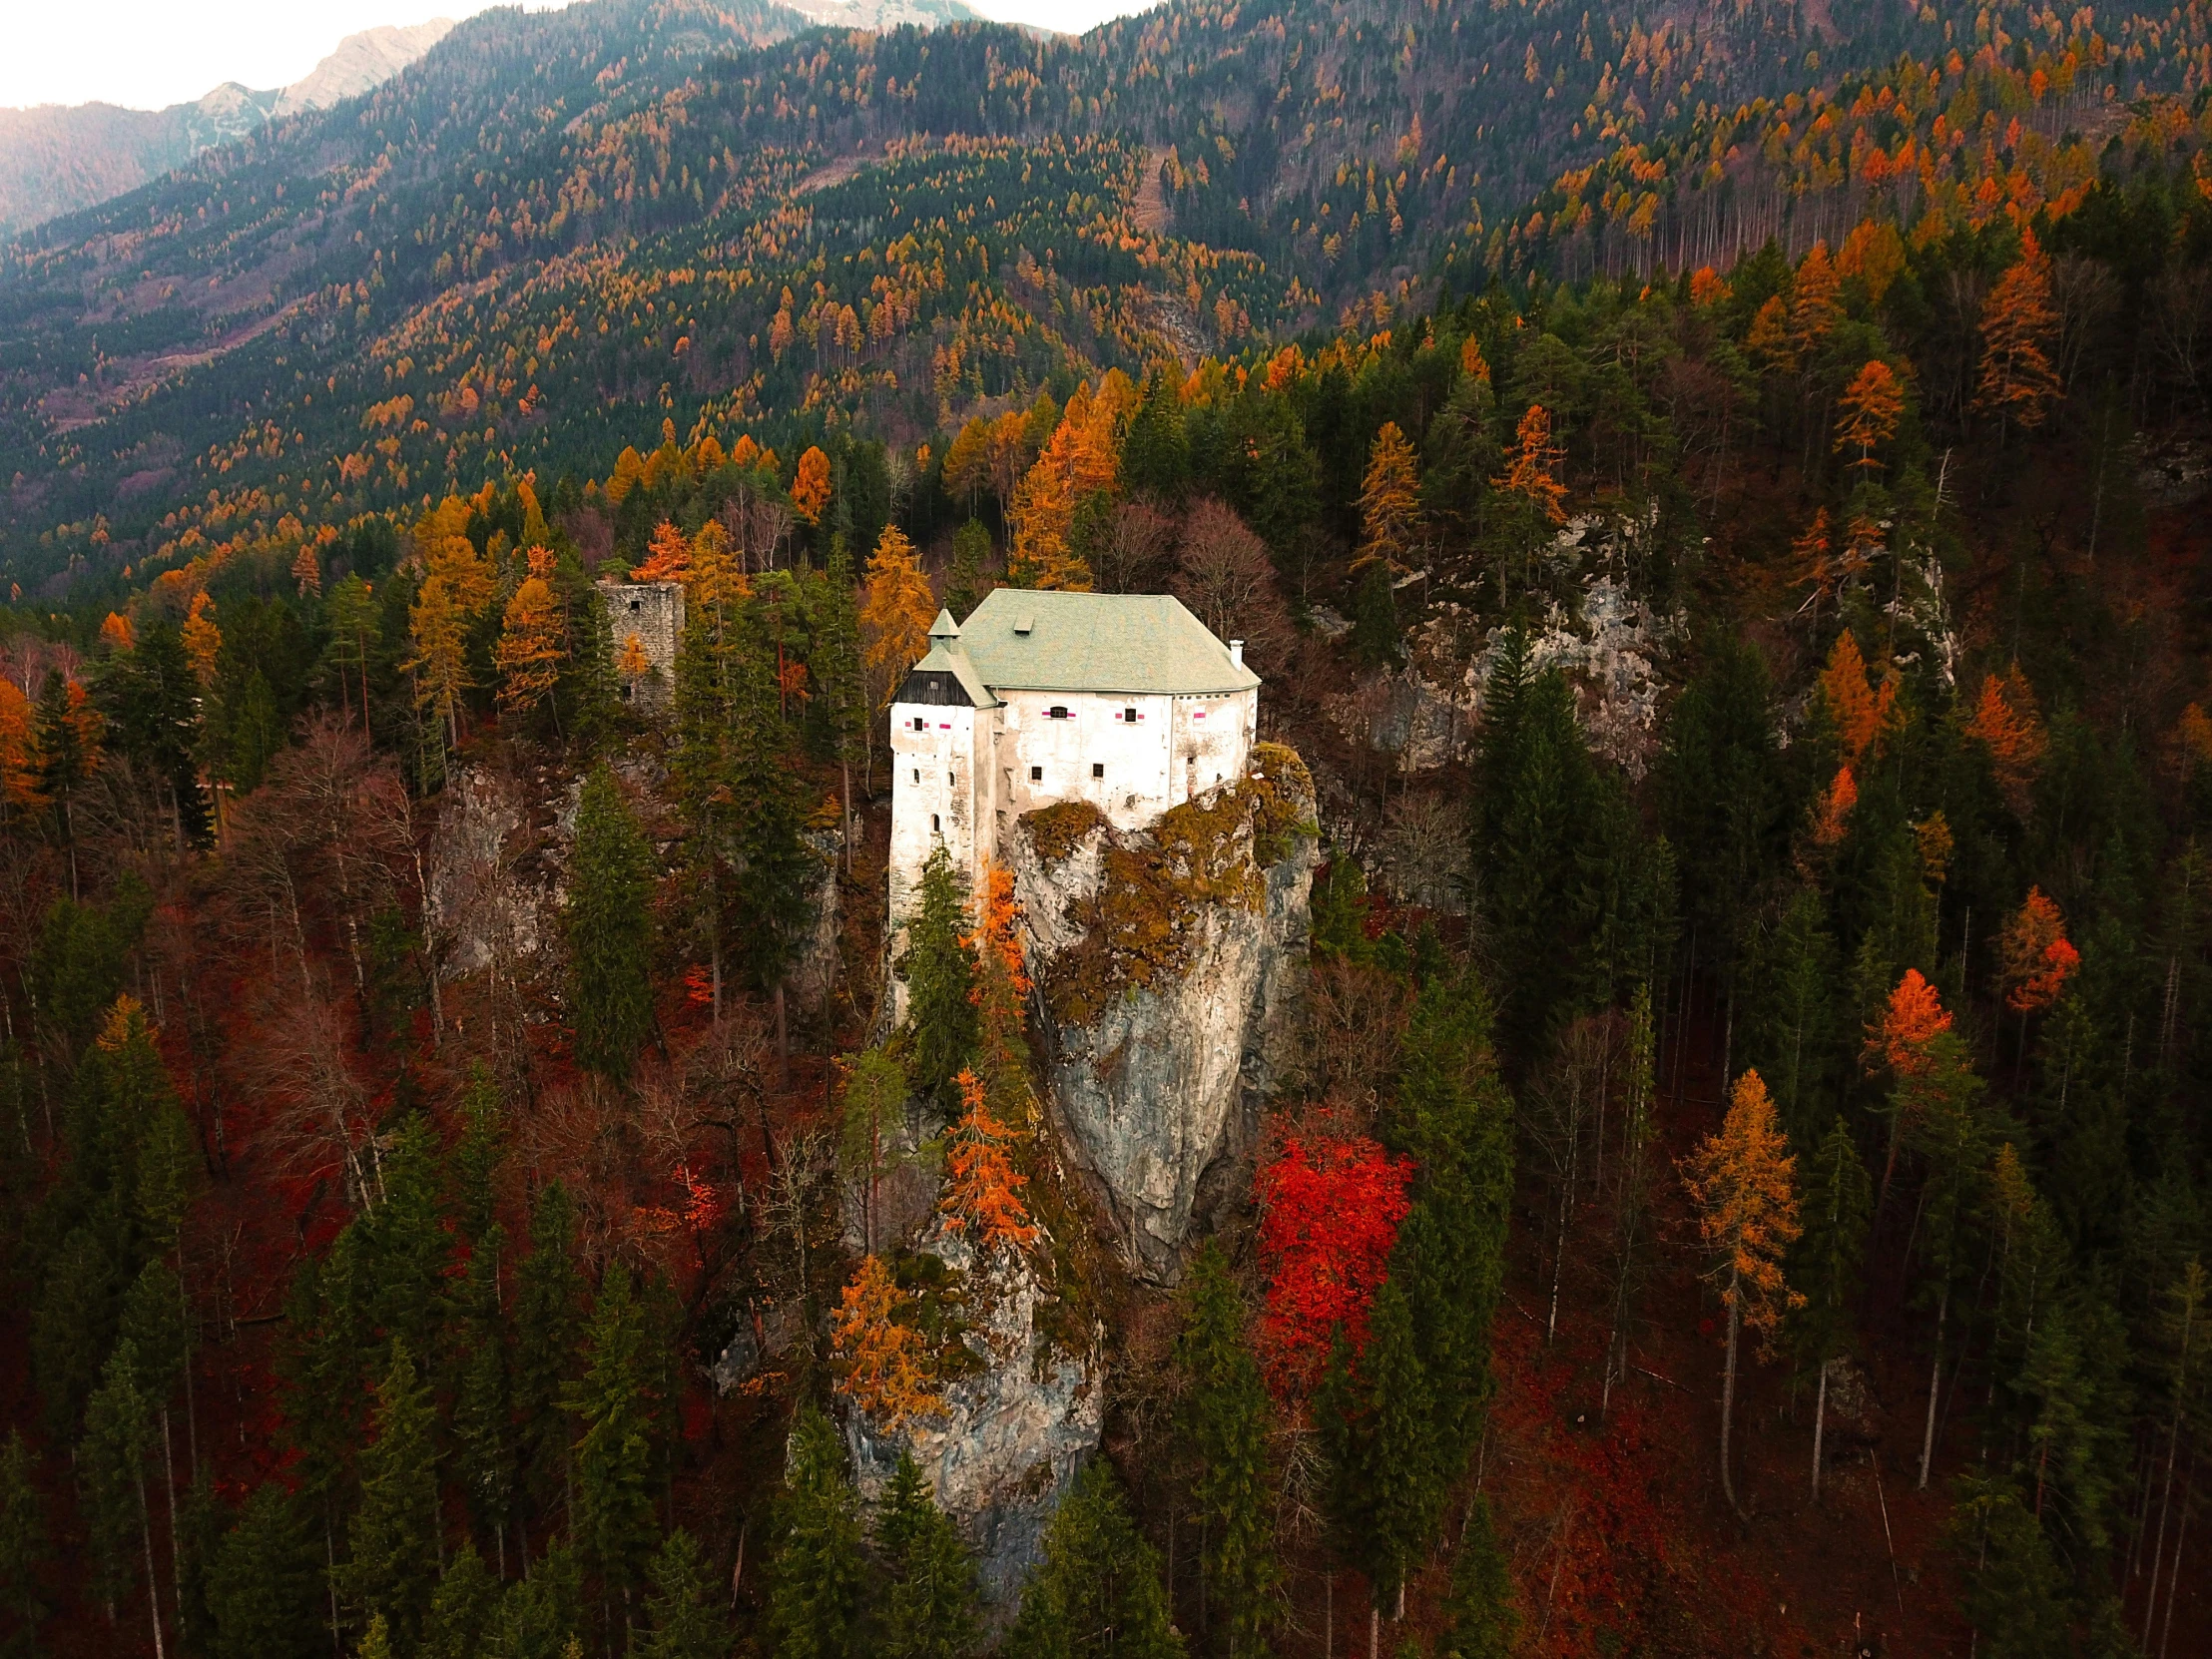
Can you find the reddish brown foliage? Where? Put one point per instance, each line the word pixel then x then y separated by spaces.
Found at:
pixel 1331 1204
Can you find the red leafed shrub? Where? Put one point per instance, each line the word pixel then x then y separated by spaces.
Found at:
pixel 1331 1204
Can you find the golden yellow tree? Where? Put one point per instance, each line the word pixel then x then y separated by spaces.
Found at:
pixel 887 1370
pixel 1740 1182
pixel 117 634
pixel 306 571
pixel 1871 405
pixel 1389 502
pixel 896 613
pixel 531 639
pixel 439 661
pixel 1816 302
pixel 811 488
pixel 203 639
pixel 982 1187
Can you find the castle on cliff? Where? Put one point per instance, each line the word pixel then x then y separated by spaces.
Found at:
pixel 1125 701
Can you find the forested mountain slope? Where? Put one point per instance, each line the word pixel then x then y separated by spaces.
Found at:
pixel 1705 1142
pixel 1218 176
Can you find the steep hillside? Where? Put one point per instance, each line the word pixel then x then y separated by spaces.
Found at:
pixel 661 171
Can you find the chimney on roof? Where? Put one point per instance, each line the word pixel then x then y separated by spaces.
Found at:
pixel 1236 652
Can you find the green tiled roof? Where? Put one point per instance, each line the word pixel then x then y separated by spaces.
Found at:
pixel 1020 639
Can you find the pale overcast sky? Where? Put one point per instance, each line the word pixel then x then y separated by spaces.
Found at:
pixel 150 53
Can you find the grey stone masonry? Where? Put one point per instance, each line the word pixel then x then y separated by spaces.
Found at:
pixel 652 614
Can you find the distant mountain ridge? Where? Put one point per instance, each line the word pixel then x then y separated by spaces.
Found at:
pixel 56 158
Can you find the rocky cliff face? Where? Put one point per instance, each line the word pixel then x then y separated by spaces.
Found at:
pixel 1165 960
pixel 1015 1428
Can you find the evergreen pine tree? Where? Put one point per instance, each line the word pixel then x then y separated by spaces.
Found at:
pixel 483 1395
pixel 1479 1620
pixel 1097 1593
pixel 683 1621
pixel 608 926
pixel 539 1616
pixel 1224 1431
pixel 965 583
pixel 392 1567
pixel 462 1610
pixel 928 1609
pixel 549 1326
pixel 1156 456
pixel 941 969
pixel 25 1549
pixel 613 1404
pixel 1405 1480
pixel 1795 1039
pixel 1452 1114
pixel 814 1583
pixel 406 1246
pixel 118 1431
pixel 2015 1596
pixel 263 1590
pixel 1839 1197
pixel 477 1158
pixel 840 687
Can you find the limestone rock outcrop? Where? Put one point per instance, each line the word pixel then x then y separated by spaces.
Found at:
pixel 1016 1426
pixel 1165 959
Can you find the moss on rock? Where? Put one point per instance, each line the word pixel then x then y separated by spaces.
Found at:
pixel 1141 924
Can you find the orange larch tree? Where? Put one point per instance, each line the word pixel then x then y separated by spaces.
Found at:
pixel 2019 324
pixel 1816 302
pixel 203 639
pixel 982 1186
pixel 2038 957
pixel 1832 814
pixel 2008 723
pixel 1871 405
pixel 667 556
pixel 1860 713
pixel 1898 1040
pixel 810 487
pixel 532 638
pixel 1742 1183
pixel 1534 473
pixel 896 613
pixel 887 1370
pixel 1389 502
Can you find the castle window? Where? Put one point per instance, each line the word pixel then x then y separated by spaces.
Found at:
pixel 949 779
pixel 921 722
pixel 1128 715
pixel 1036 775
pixel 1058 710
pixel 637 604
pixel 937 824
pixel 917 775
pixel 1098 769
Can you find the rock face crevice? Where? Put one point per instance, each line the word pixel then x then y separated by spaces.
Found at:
pixel 1166 961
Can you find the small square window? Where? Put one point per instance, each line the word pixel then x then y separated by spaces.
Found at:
pixel 920 723
pixel 1128 715
pixel 1036 775
pixel 1098 769
pixel 1058 710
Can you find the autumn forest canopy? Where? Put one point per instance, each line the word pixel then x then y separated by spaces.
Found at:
pixel 1716 990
